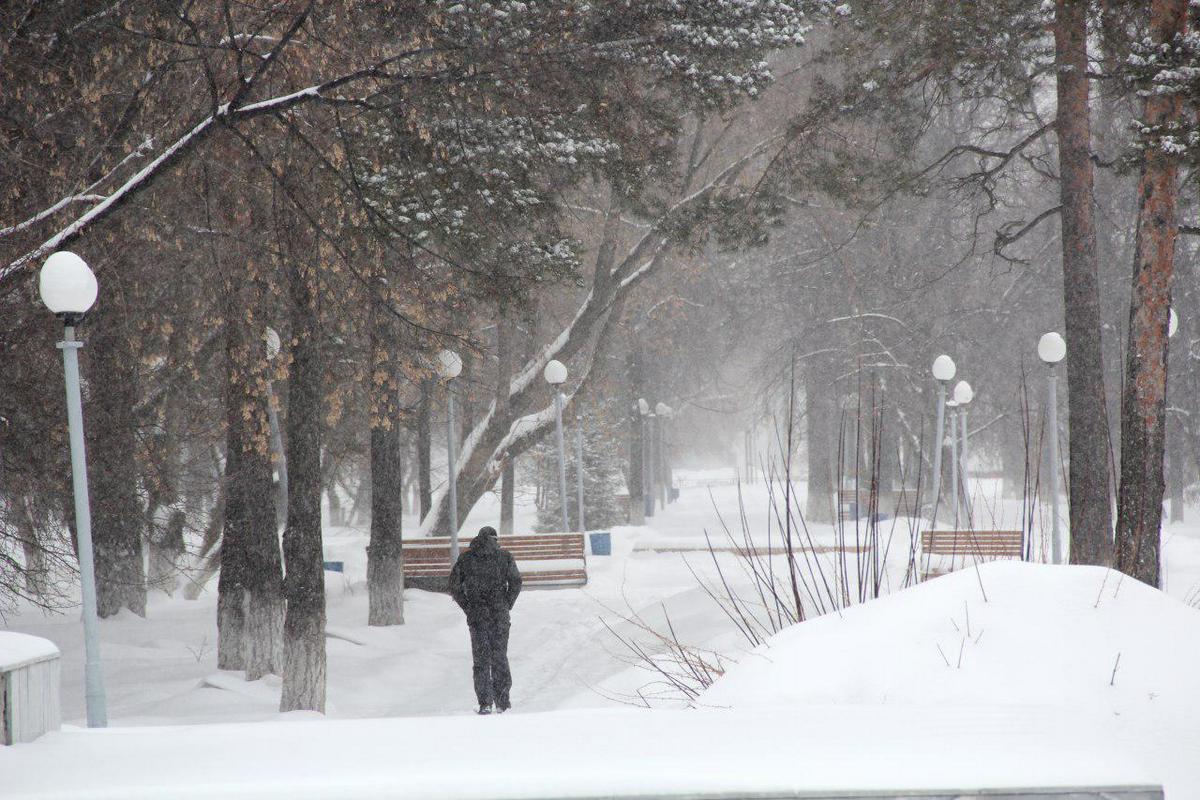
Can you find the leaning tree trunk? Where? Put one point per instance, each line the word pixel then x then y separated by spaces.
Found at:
pixel 1143 401
pixel 385 559
pixel 1090 507
pixel 304 586
pixel 117 520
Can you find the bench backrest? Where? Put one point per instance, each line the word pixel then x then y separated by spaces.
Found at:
pixel 995 544
pixel 430 557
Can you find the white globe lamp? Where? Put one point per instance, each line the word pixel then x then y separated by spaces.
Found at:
pixel 1172 323
pixel 555 373
pixel 67 285
pixel 449 364
pixel 1052 348
pixel 271 340
pixel 943 368
pixel 963 393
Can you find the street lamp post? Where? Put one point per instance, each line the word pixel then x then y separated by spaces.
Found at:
pixel 68 288
pixel 943 373
pixel 647 432
pixel 579 469
pixel 963 395
pixel 1051 350
pixel 664 414
pixel 450 367
pixel 952 405
pixel 271 340
pixel 652 473
pixel 556 375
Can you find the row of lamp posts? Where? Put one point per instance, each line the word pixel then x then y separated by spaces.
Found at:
pixel 654 486
pixel 944 370
pixel 1051 349
pixel 449 366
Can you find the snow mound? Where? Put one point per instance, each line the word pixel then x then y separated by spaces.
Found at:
pixel 1007 634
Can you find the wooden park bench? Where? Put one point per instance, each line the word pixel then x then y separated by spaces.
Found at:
pixel 888 501
pixel 977 545
pixel 546 560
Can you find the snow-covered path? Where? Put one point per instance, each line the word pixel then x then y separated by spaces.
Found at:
pixel 162 669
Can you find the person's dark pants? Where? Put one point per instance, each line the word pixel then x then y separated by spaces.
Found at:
pixel 489 649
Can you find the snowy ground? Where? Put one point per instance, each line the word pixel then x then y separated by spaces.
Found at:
pixel 869 678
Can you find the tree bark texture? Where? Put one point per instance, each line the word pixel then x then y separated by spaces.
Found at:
pixel 117 519
pixel 304 586
pixel 505 344
pixel 1143 400
pixel 385 559
pixel 637 432
pixel 1089 475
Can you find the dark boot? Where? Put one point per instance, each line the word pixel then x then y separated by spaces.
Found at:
pixel 485 709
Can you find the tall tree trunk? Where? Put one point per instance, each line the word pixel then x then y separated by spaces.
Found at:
pixel 425 446
pixel 231 596
pixel 304 587
pixel 1143 401
pixel 637 434
pixel 505 335
pixel 385 559
pixel 263 579
pixel 112 450
pixel 1090 507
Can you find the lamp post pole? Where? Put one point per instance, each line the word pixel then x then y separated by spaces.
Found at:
pixel 963 395
pixel 556 375
pixel 281 496
pixel 1052 348
pixel 966 477
pixel 68 288
pixel 562 460
pixel 449 366
pixel 97 712
pixel 652 473
pixel 937 452
pixel 953 406
pixel 579 470
pixel 1052 423
pixel 452 471
pixel 943 372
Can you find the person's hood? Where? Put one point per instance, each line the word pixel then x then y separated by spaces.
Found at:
pixel 484 541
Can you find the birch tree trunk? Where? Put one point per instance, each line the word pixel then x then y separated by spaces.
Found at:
pixel 1090 505
pixel 1143 400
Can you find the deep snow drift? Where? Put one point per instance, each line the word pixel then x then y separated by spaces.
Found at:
pixel 1030 638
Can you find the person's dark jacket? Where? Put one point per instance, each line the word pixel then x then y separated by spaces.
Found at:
pixel 485 576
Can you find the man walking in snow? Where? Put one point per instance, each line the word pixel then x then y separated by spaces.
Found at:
pixel 485 584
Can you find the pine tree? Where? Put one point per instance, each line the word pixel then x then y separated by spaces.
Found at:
pixel 601 482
